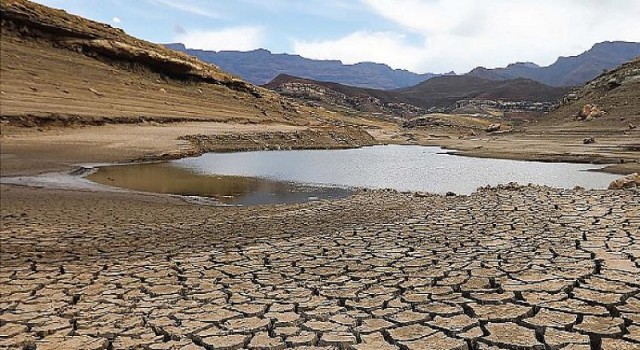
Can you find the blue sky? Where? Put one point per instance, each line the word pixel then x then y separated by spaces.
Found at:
pixel 419 35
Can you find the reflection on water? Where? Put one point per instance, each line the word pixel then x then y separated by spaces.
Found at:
pixel 167 178
pixel 403 168
pixel 268 177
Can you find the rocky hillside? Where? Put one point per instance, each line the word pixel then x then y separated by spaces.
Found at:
pixel 385 104
pixel 567 71
pixel 610 101
pixel 62 68
pixel 441 94
pixel 262 66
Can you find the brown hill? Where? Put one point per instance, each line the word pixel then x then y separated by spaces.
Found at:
pixel 615 96
pixel 333 95
pixel 58 67
pixel 436 94
pixel 443 92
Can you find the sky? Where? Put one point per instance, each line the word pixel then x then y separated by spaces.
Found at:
pixel 418 35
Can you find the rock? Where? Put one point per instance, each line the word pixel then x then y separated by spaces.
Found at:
pixel 95 92
pixel 614 83
pixel 590 112
pixel 162 90
pixel 493 127
pixel 632 126
pixel 589 140
pixel 629 181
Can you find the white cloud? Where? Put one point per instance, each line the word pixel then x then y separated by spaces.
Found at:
pixel 389 48
pixel 234 38
pixel 186 6
pixel 459 35
pixel 115 20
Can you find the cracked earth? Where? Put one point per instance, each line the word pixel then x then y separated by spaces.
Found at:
pixel 504 268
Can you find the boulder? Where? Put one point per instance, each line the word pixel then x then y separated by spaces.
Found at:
pixel 589 140
pixel 493 127
pixel 629 181
pixel 590 112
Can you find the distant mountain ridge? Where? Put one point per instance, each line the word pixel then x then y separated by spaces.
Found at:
pixel 261 66
pixel 567 71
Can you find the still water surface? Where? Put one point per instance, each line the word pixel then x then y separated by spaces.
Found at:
pixel 252 177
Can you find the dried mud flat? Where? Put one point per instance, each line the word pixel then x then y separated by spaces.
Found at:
pixel 504 268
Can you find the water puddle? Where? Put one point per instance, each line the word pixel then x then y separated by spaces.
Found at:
pixel 284 177
pixel 237 190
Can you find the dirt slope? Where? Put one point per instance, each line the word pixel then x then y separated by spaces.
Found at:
pixel 616 93
pixel 56 67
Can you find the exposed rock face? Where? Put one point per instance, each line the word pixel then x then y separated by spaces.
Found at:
pixel 629 181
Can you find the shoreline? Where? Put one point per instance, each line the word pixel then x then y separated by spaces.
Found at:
pixel 77 179
pixel 184 144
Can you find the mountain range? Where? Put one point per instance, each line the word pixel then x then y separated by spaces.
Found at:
pixel 261 66
pixel 568 71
